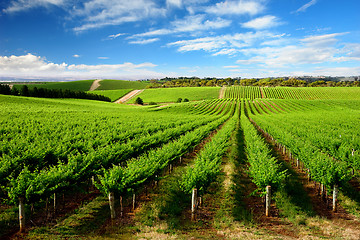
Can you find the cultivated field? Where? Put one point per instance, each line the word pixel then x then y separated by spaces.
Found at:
pixel 260 163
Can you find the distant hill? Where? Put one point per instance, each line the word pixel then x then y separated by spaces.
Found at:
pixel 121 84
pixel 83 85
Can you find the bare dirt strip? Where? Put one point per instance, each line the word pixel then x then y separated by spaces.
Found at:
pixel 222 92
pixel 95 85
pixel 128 96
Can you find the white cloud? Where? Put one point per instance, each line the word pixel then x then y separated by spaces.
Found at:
pixel 193 23
pixel 113 36
pixel 24 5
pixel 103 58
pixel 145 41
pixel 100 13
pixel 175 3
pixel 76 56
pixel 306 6
pixel 309 50
pixel 31 66
pixel 238 7
pixel 262 22
pixel 223 43
pixel 226 51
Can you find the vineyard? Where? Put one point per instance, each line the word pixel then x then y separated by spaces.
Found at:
pixel 260 163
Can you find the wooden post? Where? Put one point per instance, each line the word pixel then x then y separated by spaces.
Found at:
pixel 134 201
pixel 170 168
pixel 200 202
pixel 322 191
pixel 47 208
pixel 54 204
pixel 180 160
pixel 268 201
pixel 112 205
pixel 297 163
pixel 193 204
pixel 335 193
pixel 121 207
pixel 22 214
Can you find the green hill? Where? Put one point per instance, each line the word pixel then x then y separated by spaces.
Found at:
pixel 121 84
pixel 112 94
pixel 160 95
pixel 83 85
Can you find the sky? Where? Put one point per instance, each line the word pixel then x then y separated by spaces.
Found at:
pixel 144 39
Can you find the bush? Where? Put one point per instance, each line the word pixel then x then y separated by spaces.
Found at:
pixel 139 101
pixel 186 100
pixel 179 100
pixel 152 103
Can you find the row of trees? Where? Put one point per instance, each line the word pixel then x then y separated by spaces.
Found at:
pixel 50 93
pixel 270 82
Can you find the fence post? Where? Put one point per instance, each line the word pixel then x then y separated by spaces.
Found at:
pixel 268 200
pixel 193 204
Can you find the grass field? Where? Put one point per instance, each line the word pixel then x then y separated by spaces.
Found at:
pixel 120 84
pixel 83 85
pixel 162 95
pixel 112 94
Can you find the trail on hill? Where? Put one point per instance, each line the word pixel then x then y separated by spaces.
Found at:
pixel 129 96
pixel 95 85
pixel 222 92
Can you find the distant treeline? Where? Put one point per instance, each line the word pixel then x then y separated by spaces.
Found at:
pixel 50 93
pixel 270 82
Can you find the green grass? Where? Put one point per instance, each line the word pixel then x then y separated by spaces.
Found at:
pixel 112 94
pixel 121 84
pixel 162 95
pixel 83 85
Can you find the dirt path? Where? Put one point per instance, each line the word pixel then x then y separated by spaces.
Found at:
pixel 222 92
pixel 128 96
pixel 95 85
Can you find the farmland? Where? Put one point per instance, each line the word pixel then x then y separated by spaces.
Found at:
pixel 260 163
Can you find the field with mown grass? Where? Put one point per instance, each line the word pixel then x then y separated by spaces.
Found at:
pixel 164 95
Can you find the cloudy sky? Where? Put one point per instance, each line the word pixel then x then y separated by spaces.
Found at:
pixel 137 39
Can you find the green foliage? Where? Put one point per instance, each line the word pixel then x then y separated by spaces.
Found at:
pixel 139 101
pixel 207 164
pixel 179 100
pixel 324 140
pixel 264 169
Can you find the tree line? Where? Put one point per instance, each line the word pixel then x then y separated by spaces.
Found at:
pixel 50 93
pixel 264 82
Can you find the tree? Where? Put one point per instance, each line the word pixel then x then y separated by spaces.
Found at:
pixel 179 100
pixel 24 91
pixel 186 100
pixel 139 101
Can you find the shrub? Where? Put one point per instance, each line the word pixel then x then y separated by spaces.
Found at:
pixel 186 100
pixel 179 100
pixel 139 101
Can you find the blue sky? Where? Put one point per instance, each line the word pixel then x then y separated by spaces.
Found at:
pixel 139 39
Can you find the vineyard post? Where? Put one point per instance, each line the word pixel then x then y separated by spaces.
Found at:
pixel 22 214
pixel 54 204
pixel 322 191
pixel 121 206
pixel 112 205
pixel 180 159
pixel 268 200
pixel 297 162
pixel 193 204
pixel 134 201
pixel 335 193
